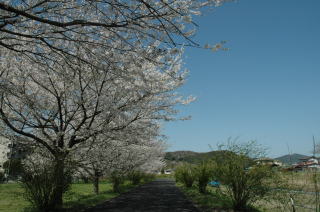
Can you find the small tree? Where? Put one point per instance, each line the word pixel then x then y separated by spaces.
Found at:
pixel 185 174
pixel 245 181
pixel 204 173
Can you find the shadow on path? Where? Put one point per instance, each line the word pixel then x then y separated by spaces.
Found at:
pixel 157 196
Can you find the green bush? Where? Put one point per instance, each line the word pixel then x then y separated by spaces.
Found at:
pixel 185 174
pixel 39 185
pixel 245 182
pixel 204 173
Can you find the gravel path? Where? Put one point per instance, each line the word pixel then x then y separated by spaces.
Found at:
pixel 157 196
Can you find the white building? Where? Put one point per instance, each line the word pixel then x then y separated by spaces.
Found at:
pixel 308 163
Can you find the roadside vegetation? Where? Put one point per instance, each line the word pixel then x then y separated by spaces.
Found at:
pixel 242 184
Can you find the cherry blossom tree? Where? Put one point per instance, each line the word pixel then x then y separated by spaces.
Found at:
pixel 60 108
pixel 45 30
pixel 72 70
pixel 135 149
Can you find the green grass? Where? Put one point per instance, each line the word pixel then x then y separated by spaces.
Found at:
pixel 11 199
pixel 81 195
pixel 78 197
pixel 165 176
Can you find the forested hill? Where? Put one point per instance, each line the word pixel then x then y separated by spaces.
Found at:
pixel 191 157
pixel 196 157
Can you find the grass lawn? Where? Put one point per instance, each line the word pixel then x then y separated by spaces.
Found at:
pixel 11 199
pixel 81 195
pixel 78 197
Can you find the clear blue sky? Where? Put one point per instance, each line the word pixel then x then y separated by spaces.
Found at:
pixel 265 88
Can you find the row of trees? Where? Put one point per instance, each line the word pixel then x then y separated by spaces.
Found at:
pixel 87 82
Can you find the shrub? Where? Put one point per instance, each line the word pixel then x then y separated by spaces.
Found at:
pixel 204 173
pixel 185 174
pixel 39 185
pixel 245 181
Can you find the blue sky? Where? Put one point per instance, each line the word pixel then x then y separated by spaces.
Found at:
pixel 265 88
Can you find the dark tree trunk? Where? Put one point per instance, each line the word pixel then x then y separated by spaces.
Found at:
pixel 202 188
pixel 116 187
pixel 96 182
pixel 85 179
pixel 241 205
pixel 59 183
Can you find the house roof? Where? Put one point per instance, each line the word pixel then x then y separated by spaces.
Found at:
pixel 264 159
pixel 308 158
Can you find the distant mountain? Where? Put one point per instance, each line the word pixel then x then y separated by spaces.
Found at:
pixel 190 156
pixel 290 159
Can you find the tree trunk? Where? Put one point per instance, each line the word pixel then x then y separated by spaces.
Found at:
pixel 59 183
pixel 202 188
pixel 115 187
pixel 85 179
pixel 240 205
pixel 96 183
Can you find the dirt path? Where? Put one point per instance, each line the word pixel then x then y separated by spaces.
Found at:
pixel 157 196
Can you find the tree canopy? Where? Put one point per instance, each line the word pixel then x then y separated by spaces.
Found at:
pixel 45 31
